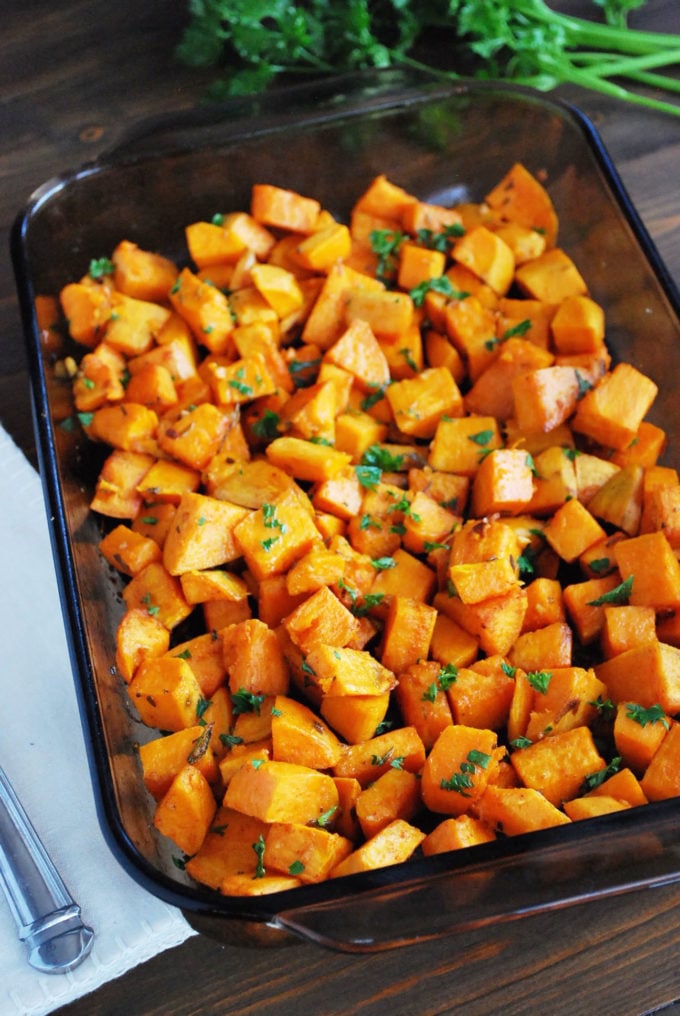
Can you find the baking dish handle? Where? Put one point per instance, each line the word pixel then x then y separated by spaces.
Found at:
pixel 609 858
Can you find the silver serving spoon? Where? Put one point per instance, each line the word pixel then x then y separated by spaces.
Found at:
pixel 46 915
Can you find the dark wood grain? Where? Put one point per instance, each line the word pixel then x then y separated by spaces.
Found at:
pixel 73 76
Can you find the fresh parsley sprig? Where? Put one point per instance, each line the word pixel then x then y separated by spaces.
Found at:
pixel 252 42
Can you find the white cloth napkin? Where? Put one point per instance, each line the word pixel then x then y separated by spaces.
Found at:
pixel 42 752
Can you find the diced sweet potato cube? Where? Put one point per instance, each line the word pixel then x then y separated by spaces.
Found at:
pixel 341 671
pixel 578 325
pixel 503 482
pixel 517 810
pixel 323 248
pixel 613 410
pixel 546 647
pixel 450 642
pixel 591 807
pixel 358 352
pixel 164 757
pixel 392 845
pixel 419 403
pixel 319 619
pixel 276 535
pixel 87 308
pixel 128 426
pixel 662 776
pixel 545 605
pixel 186 811
pixel 568 702
pixel 545 398
pixel 619 500
pixel 407 633
pixel 488 256
pixel 520 197
pixel 166 693
pixel 212 584
pixel 457 833
pixel 308 852
pixel 409 573
pixel 227 849
pixel 624 786
pixel 356 718
pixel 284 209
pixel 422 701
pixel 305 460
pixel 645 448
pixel 458 768
pixel 648 560
pixel 139 635
pixel 495 622
pixel 638 732
pixel 585 605
pixel 128 551
pixel 194 437
pixel 257 885
pixel 298 735
pixel 551 277
pixel 158 592
pixel 491 394
pixel 281 792
pixel 572 530
pixel 370 759
pixel 165 483
pixel 203 534
pixel 626 627
pixel 460 445
pixel 389 313
pixel 660 665
pixel 558 765
pixel 394 795
pixel 205 309
pixel 253 658
pixel 481 697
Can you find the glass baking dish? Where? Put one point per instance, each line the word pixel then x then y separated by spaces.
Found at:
pixel 444 143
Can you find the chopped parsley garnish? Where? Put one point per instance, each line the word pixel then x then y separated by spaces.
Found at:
pixel 644 716
pixel 383 458
pixel 462 781
pixel 100 267
pixel 619 595
pixel 385 244
pixel 441 284
pixel 368 476
pixel 481 438
pixel 596 779
pixel 383 563
pixel 539 680
pixel 267 427
pixel 245 701
pixel 258 847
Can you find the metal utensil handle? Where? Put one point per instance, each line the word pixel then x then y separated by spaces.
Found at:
pixel 46 915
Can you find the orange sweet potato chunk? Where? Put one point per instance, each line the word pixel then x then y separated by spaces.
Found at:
pixel 558 765
pixel 458 769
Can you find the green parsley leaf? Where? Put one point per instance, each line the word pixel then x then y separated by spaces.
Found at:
pixel 539 680
pixel 653 714
pixel 618 595
pixel 382 458
pixel 245 701
pixel 101 267
pixel 258 847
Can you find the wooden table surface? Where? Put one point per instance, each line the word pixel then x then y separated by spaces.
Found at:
pixel 73 75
